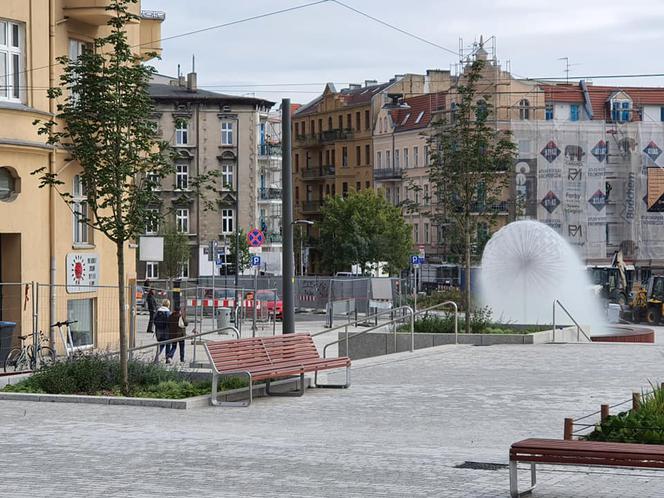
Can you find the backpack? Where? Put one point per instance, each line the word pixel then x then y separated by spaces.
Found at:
pixel 161 321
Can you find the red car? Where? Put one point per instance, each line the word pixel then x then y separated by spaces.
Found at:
pixel 268 298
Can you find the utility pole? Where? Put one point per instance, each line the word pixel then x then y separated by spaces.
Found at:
pixel 288 261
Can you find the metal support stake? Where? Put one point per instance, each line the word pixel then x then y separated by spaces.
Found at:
pixel 35 325
pixel 253 321
pixel 274 313
pixel 132 315
pixel 412 331
pixel 346 332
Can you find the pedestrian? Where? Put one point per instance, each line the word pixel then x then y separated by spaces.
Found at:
pixel 177 329
pixel 152 309
pixel 161 326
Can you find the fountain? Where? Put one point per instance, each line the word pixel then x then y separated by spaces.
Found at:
pixel 525 266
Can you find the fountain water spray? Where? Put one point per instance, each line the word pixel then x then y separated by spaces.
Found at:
pixel 525 266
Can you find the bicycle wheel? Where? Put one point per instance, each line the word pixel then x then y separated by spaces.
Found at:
pixel 46 356
pixel 16 361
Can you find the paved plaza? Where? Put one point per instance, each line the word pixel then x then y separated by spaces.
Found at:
pixel 400 430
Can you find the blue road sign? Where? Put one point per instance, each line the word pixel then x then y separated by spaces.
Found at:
pixel 416 260
pixel 255 261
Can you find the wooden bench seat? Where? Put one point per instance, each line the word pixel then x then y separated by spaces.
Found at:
pixel 574 452
pixel 270 358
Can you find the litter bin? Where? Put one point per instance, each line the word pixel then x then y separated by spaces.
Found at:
pixel 223 317
pixel 6 333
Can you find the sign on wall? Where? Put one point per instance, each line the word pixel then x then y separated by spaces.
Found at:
pixel 82 271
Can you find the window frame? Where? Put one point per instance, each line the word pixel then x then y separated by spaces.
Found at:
pixel 79 322
pixel 14 77
pixel 81 231
pixel 181 132
pixel 152 270
pixel 574 112
pixel 227 132
pixel 227 221
pixel 182 220
pixel 181 176
pixel 227 175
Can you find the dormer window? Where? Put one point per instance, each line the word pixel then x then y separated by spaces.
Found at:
pixel 621 108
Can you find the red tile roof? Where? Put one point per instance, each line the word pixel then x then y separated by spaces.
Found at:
pixel 421 107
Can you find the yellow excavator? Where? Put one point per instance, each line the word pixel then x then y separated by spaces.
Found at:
pixel 648 302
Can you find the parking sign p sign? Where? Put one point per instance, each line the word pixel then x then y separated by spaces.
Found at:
pixel 255 261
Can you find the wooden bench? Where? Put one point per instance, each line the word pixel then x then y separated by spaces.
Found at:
pixel 270 358
pixel 574 452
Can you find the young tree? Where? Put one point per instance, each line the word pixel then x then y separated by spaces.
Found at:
pixel 469 168
pixel 364 229
pixel 176 251
pixel 245 257
pixel 103 122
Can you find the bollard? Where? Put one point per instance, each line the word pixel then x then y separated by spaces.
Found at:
pixel 569 428
pixel 636 401
pixel 604 410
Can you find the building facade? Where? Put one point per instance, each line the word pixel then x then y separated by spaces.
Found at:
pixel 240 141
pixel 40 239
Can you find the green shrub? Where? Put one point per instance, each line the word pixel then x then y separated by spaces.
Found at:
pixel 440 296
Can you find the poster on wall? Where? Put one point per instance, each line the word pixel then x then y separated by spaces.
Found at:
pixel 82 272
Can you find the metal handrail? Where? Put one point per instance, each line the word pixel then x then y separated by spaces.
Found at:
pixel 408 310
pixel 456 316
pixel 177 339
pixel 375 315
pixel 578 327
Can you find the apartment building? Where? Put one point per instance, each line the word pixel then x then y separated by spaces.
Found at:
pixel 40 239
pixel 240 140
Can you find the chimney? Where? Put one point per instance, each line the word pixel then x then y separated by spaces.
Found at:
pixel 354 86
pixel 191 82
pixel 370 82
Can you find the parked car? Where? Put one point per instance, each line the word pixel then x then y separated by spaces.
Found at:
pixel 271 300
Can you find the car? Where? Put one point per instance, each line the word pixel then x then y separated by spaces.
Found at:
pixel 271 300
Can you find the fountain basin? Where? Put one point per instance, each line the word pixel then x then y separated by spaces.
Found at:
pixel 625 333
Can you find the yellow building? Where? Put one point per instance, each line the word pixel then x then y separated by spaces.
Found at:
pixel 40 239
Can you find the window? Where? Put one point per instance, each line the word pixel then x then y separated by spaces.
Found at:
pixel 548 112
pixel 416 232
pixel 524 109
pixel 227 176
pixel 574 112
pixel 313 127
pixel 181 176
pixel 379 157
pixel 151 270
pixel 358 186
pixel 81 312
pixel 367 120
pixel 154 180
pixel 481 110
pixel 76 49
pixel 182 220
pixel 344 189
pixel 349 125
pixel 11 60
pixel 297 162
pixel 226 133
pixel 344 156
pixel 416 157
pixel 182 132
pixel 297 194
pixel 80 212
pixel 397 163
pixel 426 233
pixel 405 158
pixel 621 111
pixel 152 223
pixel 334 157
pixel 341 121
pixel 183 269
pixel 388 162
pixel 358 125
pixel 367 184
pixel 426 194
pixel 426 155
pixel 453 112
pixel 297 129
pixel 329 122
pixel 367 154
pixel 227 218
pixel 358 155
pixel 661 113
pixel 320 126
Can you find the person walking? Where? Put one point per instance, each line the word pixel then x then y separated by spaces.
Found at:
pixel 161 322
pixel 177 329
pixel 152 309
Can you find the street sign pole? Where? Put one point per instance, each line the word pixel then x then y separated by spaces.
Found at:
pixel 213 247
pixel 253 325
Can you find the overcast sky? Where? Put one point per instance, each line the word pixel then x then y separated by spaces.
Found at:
pixel 327 42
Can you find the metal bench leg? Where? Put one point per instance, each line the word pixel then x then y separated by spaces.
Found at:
pixel 333 386
pixel 297 392
pixel 514 482
pixel 213 398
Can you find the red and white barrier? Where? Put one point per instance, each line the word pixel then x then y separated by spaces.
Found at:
pixel 220 303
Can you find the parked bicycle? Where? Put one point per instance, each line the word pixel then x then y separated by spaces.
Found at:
pixel 23 358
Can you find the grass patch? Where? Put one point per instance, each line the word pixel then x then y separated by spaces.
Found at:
pixel 100 376
pixel 645 426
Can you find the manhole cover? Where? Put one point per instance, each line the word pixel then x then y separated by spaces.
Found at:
pixel 481 466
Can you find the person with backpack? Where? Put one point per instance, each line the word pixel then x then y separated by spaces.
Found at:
pixel 161 327
pixel 177 329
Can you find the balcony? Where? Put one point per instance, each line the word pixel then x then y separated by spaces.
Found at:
pixel 274 238
pixel 499 208
pixel 312 206
pixel 269 194
pixel 386 174
pixel 317 139
pixel 265 151
pixel 318 173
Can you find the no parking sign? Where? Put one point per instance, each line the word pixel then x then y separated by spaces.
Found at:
pixel 255 237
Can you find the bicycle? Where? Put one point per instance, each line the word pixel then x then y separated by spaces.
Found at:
pixel 23 358
pixel 68 341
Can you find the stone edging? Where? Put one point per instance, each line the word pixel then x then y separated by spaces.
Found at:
pixel 178 404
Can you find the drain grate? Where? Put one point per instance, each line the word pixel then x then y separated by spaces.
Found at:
pixel 481 466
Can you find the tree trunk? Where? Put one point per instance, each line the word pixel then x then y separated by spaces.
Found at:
pixel 467 286
pixel 124 368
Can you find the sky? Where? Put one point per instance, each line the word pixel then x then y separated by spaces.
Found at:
pixel 297 52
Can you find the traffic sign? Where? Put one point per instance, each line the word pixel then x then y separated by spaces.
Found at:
pixel 255 237
pixel 416 260
pixel 255 261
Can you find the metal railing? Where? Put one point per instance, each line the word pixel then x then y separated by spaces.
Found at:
pixel 578 327
pixel 408 311
pixel 456 316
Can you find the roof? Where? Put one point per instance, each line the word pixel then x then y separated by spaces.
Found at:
pixel 160 91
pixel 421 109
pixel 600 95
pixel 349 96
